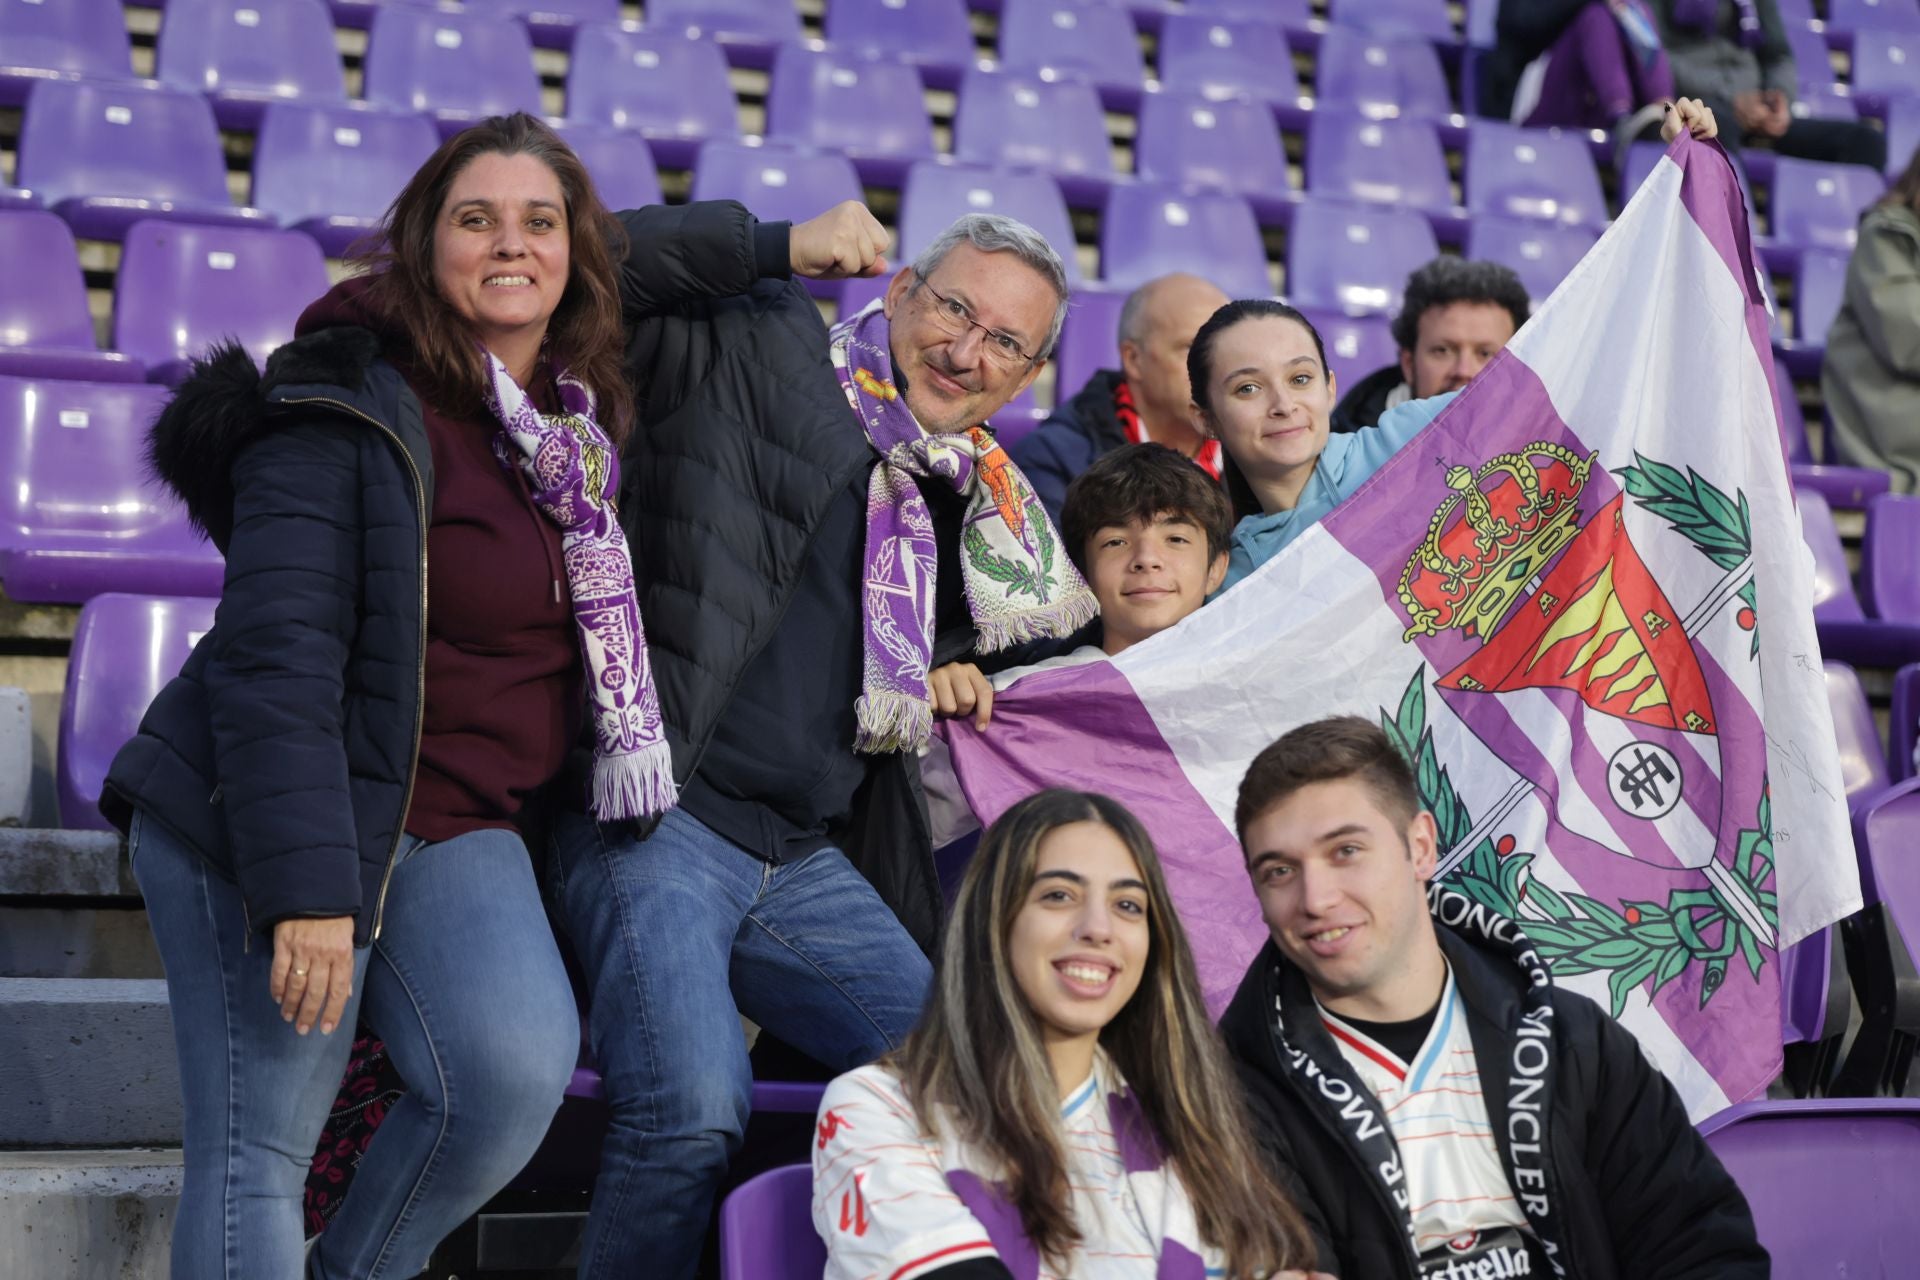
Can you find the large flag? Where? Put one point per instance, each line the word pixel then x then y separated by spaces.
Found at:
pixel 1579 602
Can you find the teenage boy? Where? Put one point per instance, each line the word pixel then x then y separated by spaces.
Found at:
pixel 1451 1113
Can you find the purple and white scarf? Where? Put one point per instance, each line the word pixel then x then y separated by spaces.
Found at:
pixel 1019 583
pixel 573 472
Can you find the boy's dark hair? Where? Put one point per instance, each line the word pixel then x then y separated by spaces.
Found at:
pixel 1330 750
pixel 1445 281
pixel 1140 482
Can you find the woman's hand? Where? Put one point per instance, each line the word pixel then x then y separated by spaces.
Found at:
pixel 313 971
pixel 1691 114
pixel 844 242
pixel 958 689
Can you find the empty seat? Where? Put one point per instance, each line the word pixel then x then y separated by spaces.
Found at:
pixel 125 650
pixel 1229 145
pixel 1354 257
pixel 1392 161
pixel 748 30
pixel 1294 15
pixel 866 107
pixel 1223 57
pixel 932 35
pixel 775 181
pixel 45 329
pixel 1903 722
pixel 1817 205
pixel 1863 760
pixel 1149 231
pixel 1089 40
pixel 79 514
pixel 245 54
pixel 1890 558
pixel 766 1228
pixel 552 23
pixel 1885 69
pixel 1851 17
pixel 1542 254
pixel 1022 122
pixel 103 156
pixel 332 171
pixel 1833 597
pixel 1819 286
pixel 1356 345
pixel 935 194
pixel 67 39
pixel 1903 132
pixel 181 288
pixel 1381 75
pixel 1089 340
pixel 457 67
pixel 1811 62
pixel 1533 173
pixel 672 89
pixel 18 198
pixel 620 164
pixel 1426 18
pixel 1840 486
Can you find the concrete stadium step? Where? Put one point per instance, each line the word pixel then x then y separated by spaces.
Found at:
pixel 87 1215
pixel 69 908
pixel 86 1062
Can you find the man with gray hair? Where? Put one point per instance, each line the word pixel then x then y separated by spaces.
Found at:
pixel 1146 399
pixel 816 520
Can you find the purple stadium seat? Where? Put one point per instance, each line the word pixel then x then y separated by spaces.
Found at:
pixel 1890 559
pixel 1903 132
pixel 1022 122
pixel 332 171
pixel 1831 1181
pixel 1226 145
pixel 80 516
pixel 1541 253
pixel 1381 75
pixel 671 89
pixel 1351 156
pixel 1881 945
pixel 1886 68
pixel 67 39
pixel 1089 341
pixel 766 1228
pixel 457 67
pixel 1863 760
pixel 776 182
pixel 748 30
pixel 103 156
pixel 855 294
pixel 933 35
pixel 182 288
pixel 935 194
pixel 1087 40
pixel 866 107
pixel 1294 15
pixel 1354 257
pixel 244 54
pixel 1223 57
pixel 1532 173
pixel 1817 206
pixel 1813 1006
pixel 619 162
pixel 18 198
pixel 1426 18
pixel 1149 230
pixel 1840 486
pixel 125 650
pixel 1356 345
pixel 1820 279
pixel 1850 17
pixel 1903 722
pixel 1833 597
pixel 1017 419
pixel 45 329
pixel 1811 61
pixel 552 23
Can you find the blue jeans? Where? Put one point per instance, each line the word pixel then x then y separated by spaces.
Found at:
pixel 679 934
pixel 466 987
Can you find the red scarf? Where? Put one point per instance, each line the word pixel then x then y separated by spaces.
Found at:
pixel 1207 459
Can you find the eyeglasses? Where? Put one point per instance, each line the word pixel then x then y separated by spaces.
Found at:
pixel 956 318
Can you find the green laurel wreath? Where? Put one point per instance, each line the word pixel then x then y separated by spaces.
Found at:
pixel 1633 944
pixel 1020 578
pixel 1721 527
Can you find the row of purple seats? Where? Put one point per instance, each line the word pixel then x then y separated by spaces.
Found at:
pixel 1888 635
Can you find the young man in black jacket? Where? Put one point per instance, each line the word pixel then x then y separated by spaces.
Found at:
pixel 1449 1112
pixel 772 546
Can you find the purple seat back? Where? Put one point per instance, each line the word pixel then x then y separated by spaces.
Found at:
pixel 1089 340
pixel 333 170
pixel 1355 257
pixel 672 89
pixel 935 194
pixel 620 164
pixel 66 38
pixel 1223 57
pixel 1426 18
pixel 125 650
pixel 935 32
pixel 461 67
pixel 1863 761
pixel 251 51
pixel 1229 145
pixel 1811 62
pixel 1351 156
pixel 1541 253
pixel 766 1227
pixel 1021 122
pixel 92 139
pixel 1873 15
pixel 1887 68
pixel 1533 173
pixel 1890 558
pixel 1903 722
pixel 860 104
pixel 1833 598
pixel 1481 18
pixel 1089 40
pixel 751 25
pixel 1294 15
pixel 1831 1181
pixel 1793 425
pixel 1356 345
pixel 775 182
pixel 1149 231
pixel 45 301
pixel 1381 75
pixel 1903 131
pixel 855 294
pixel 552 23
pixel 183 287
pixel 1806 981
pixel 1819 287
pixel 1817 205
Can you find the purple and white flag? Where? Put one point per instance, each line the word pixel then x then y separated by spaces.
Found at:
pixel 1580 603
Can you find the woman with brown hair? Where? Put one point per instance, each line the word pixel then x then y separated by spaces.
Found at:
pixel 323 808
pixel 1064 1107
pixel 1871 377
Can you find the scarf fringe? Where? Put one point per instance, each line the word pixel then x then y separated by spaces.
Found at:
pixel 891 721
pixel 1051 622
pixel 634 784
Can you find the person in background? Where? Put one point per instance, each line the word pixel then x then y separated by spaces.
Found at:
pixel 1064 1107
pixel 1588 64
pixel 1871 377
pixel 1145 399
